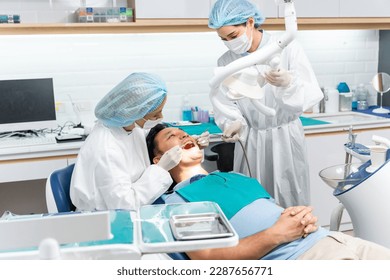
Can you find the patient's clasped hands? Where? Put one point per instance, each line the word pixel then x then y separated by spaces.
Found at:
pixel 294 223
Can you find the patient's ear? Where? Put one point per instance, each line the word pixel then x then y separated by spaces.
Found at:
pixel 156 160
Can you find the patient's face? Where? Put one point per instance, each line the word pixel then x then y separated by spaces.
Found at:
pixel 170 137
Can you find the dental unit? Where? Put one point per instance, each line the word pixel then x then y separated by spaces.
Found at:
pixel 362 189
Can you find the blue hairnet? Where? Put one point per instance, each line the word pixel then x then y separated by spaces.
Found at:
pixel 233 12
pixel 132 99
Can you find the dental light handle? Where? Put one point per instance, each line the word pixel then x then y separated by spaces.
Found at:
pixel 381 140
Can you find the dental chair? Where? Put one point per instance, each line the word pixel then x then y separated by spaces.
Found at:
pixel 57 191
pixel 223 154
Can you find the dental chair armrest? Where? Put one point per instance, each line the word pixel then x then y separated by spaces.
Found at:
pixel 210 155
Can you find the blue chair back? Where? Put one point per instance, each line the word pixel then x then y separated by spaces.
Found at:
pixel 60 186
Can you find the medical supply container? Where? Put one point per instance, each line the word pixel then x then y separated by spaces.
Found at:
pixel 332 100
pixel 186 110
pixel 345 99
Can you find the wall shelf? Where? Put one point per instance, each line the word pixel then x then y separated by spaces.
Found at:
pixel 185 25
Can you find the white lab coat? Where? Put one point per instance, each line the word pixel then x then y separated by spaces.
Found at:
pixel 275 146
pixel 113 171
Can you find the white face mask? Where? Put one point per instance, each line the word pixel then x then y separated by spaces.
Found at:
pixel 151 123
pixel 240 44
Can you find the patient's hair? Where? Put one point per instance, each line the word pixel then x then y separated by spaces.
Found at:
pixel 150 143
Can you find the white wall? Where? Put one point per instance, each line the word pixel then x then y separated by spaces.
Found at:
pixel 88 66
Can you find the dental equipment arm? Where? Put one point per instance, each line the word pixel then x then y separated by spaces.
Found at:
pixel 268 54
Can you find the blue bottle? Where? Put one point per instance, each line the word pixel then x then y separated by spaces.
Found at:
pixel 186 110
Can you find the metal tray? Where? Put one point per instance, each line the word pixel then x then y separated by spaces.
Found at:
pixel 199 226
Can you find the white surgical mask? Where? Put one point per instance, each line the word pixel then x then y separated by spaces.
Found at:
pixel 151 123
pixel 240 44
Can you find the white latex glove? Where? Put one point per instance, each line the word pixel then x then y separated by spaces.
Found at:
pixel 278 78
pixel 202 140
pixel 171 158
pixel 232 132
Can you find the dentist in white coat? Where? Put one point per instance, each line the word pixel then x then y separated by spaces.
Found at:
pixel 113 169
pixel 275 146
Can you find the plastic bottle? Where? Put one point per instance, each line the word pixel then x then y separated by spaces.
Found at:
pixel 372 97
pixel 211 117
pixel 186 110
pixel 354 99
pixel 362 94
pixel 345 102
pixel 332 101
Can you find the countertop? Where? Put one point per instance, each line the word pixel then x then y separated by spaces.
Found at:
pixel 366 119
pixel 318 123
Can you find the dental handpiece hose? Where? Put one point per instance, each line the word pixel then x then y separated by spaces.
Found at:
pixel 246 158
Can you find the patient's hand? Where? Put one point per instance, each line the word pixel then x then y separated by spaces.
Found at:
pixel 309 220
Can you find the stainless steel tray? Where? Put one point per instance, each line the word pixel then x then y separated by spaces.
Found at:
pixel 199 226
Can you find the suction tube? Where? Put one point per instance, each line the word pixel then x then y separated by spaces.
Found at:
pixel 260 56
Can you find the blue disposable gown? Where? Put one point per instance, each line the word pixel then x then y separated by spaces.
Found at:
pixel 113 171
pixel 276 145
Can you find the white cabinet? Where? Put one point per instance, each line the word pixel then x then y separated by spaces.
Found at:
pixel 172 9
pixel 325 150
pixel 29 170
pixel 307 8
pixel 364 8
pixel 191 9
pixel 268 8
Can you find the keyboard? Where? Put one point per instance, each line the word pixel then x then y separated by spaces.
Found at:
pixel 16 142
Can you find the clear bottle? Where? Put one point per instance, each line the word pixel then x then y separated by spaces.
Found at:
pixel 354 99
pixel 186 110
pixel 362 95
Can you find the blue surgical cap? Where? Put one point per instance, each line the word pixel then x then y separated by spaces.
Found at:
pixel 133 98
pixel 233 12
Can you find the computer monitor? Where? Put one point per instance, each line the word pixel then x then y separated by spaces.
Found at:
pixel 27 104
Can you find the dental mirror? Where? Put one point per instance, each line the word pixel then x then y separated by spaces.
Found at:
pixel 381 83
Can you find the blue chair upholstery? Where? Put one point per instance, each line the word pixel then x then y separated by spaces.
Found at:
pixel 178 256
pixel 60 186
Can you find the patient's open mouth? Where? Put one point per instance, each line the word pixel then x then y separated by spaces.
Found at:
pixel 188 145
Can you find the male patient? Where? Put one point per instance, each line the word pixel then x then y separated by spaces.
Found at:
pixel 266 230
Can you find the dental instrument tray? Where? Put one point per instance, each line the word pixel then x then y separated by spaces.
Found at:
pixel 199 226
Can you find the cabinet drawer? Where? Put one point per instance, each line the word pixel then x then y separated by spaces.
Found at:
pixel 29 170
